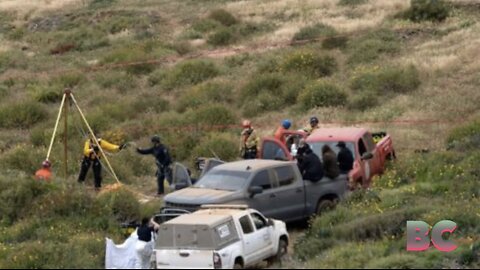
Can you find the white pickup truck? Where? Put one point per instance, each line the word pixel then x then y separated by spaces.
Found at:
pixel 220 236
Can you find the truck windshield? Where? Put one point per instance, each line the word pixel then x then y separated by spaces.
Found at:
pixel 224 180
pixel 317 147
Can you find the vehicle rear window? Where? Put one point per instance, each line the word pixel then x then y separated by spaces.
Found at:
pixel 262 179
pixel 317 147
pixel 178 236
pixel 272 151
pixel 224 180
pixel 285 175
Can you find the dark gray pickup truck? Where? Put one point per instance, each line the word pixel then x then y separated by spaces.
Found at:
pixel 275 188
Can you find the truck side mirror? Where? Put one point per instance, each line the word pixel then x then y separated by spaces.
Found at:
pixel 367 156
pixel 270 222
pixel 255 190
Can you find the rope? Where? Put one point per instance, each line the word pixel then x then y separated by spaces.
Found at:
pixel 56 127
pixel 94 138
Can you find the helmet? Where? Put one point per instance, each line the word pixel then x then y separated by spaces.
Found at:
pixel 246 123
pixel 155 139
pixel 46 164
pixel 313 120
pixel 286 123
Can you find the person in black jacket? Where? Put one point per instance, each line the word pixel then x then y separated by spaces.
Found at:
pixel 308 162
pixel 345 158
pixel 163 161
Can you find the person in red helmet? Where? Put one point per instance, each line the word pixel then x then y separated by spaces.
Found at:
pixel 45 173
pixel 249 141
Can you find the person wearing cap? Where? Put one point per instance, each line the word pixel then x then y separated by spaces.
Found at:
pixel 92 156
pixel 248 141
pixel 309 164
pixel 45 173
pixel 162 160
pixel 330 164
pixel 144 246
pixel 345 158
pixel 313 125
pixel 285 125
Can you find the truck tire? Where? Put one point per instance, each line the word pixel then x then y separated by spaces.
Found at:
pixel 281 252
pixel 238 264
pixel 324 205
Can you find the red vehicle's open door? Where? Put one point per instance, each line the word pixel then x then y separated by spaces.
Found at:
pixel 274 149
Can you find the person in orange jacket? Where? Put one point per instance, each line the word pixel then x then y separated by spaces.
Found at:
pixel 286 124
pixel 45 173
pixel 92 157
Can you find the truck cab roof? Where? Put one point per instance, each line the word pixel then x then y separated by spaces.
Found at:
pixel 337 134
pixel 210 217
pixel 251 165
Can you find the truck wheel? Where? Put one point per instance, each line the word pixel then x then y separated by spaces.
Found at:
pixel 281 252
pixel 324 205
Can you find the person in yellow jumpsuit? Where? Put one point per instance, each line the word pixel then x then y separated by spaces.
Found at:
pixel 92 157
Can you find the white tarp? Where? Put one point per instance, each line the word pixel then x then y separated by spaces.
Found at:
pixel 122 256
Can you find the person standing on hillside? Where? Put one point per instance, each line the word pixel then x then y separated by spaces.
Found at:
pixel 162 160
pixel 249 141
pixel 313 125
pixel 286 124
pixel 92 156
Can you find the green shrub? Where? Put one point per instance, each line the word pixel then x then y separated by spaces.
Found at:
pixel 23 158
pixel 46 93
pixel 310 63
pixel 150 103
pixel 465 137
pixel 316 31
pixel 123 203
pixel 224 146
pixel 22 115
pixel 121 81
pixel 373 45
pixel 338 42
pixel 351 2
pixel 182 47
pixel 215 115
pixel 136 56
pixel 17 194
pixel 427 10
pixel 389 80
pixel 322 94
pixel 206 25
pixel 186 73
pixel 222 16
pixel 12 60
pixel 363 101
pixel 95 4
pixel 396 261
pixel 204 94
pixel 268 92
pixel 222 37
pixel 84 38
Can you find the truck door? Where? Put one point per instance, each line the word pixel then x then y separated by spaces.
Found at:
pixel 264 202
pixel 180 177
pixel 289 194
pixel 375 165
pixel 274 149
pixel 364 164
pixel 210 164
pixel 263 235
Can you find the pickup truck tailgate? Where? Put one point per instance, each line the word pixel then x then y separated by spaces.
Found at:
pixel 184 259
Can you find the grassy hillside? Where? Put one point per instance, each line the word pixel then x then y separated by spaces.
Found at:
pixel 190 70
